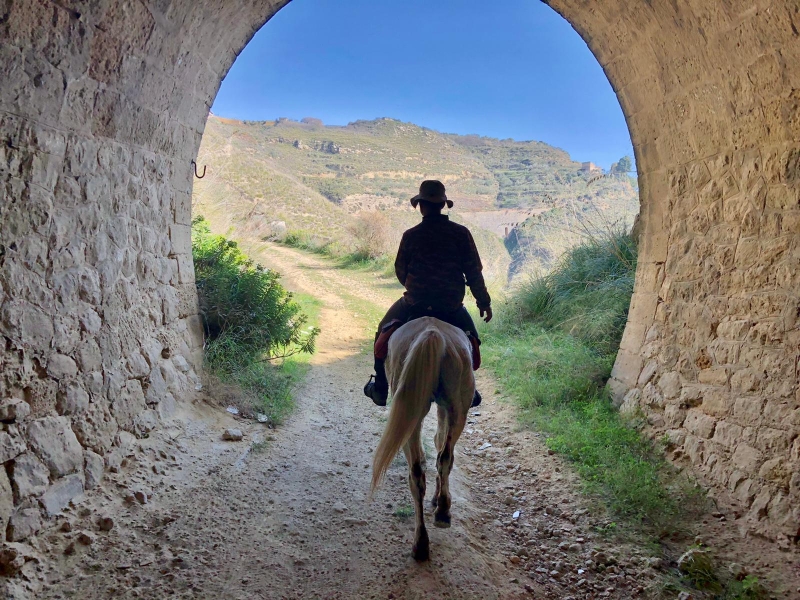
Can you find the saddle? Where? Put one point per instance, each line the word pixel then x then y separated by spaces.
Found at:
pixel 382 343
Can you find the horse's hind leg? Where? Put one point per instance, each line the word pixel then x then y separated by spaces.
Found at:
pixel 454 425
pixel 438 440
pixel 416 481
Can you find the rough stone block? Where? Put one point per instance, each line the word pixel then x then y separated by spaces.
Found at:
pixel 60 366
pixel 674 415
pixel 733 330
pixel 24 523
pixel 96 428
pixel 758 510
pixel 777 471
pixel 12 444
pixel 715 376
pixel 61 493
pixel 145 422
pixel 648 372
pixel 747 459
pixel 29 323
pixel 6 501
pixel 693 446
pixel 651 396
pixel 676 437
pixel 715 403
pixel 128 405
pixel 156 386
pixel 55 444
pixel 166 408
pixel 73 400
pixel 773 441
pixel 670 384
pixel 728 434
pixel 14 409
pixel 748 409
pixel 626 368
pixel 93 469
pixel 700 424
pixel 29 476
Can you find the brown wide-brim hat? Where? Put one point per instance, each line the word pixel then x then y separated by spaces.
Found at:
pixel 431 190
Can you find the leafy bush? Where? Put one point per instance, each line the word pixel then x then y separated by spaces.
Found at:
pixel 249 319
pixel 242 304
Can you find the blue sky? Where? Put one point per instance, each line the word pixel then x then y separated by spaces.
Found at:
pixel 507 69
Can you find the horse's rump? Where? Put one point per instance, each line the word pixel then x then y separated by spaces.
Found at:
pixel 426 357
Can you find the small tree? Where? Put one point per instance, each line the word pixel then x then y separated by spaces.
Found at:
pixel 624 165
pixel 372 232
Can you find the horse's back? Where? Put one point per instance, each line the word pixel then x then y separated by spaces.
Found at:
pixel 408 332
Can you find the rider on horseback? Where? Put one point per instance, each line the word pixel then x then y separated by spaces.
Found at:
pixel 435 261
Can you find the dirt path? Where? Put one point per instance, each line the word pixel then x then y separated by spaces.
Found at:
pixel 290 520
pixel 285 514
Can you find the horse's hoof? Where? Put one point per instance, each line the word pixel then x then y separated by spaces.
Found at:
pixel 421 551
pixel 441 520
pixel 435 502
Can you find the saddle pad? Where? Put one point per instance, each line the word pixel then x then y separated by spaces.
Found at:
pixel 382 343
pixel 381 349
pixel 476 352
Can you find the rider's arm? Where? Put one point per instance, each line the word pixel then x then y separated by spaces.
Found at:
pixel 401 262
pixel 473 274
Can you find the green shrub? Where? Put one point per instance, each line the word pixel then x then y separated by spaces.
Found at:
pixel 243 305
pixel 249 319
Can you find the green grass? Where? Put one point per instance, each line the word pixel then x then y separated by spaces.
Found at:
pixel 557 381
pixel 261 388
pixel 552 348
pixel 343 258
pixel 404 512
pixel 749 588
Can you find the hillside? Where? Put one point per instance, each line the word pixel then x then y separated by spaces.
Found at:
pixel 267 179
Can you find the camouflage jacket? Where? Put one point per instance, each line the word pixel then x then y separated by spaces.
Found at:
pixel 435 261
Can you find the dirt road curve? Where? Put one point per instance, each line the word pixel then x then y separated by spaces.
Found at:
pixel 285 514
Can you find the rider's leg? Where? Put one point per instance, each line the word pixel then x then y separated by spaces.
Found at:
pixel 378 390
pixel 463 320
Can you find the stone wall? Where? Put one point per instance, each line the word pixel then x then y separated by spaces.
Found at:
pixel 711 92
pixel 102 106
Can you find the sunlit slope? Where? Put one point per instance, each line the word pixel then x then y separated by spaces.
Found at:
pixel 265 179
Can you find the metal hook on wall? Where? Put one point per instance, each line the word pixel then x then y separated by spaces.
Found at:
pixel 195 170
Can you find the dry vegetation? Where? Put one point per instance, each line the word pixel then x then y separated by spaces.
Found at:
pixel 322 187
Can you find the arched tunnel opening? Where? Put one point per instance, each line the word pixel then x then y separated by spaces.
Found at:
pixel 102 109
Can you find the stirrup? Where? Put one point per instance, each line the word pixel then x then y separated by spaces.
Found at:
pixel 371 393
pixel 476 399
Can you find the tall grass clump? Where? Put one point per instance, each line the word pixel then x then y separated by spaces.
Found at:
pixel 250 320
pixel 553 347
pixel 587 293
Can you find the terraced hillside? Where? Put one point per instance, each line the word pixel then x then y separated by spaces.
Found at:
pixel 270 179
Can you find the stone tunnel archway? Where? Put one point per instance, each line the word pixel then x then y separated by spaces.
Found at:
pixel 102 107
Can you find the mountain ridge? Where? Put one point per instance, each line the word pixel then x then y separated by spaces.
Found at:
pixel 316 178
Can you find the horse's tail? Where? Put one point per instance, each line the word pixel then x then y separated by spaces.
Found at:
pixel 411 400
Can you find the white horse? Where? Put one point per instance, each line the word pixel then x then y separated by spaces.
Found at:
pixel 427 359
